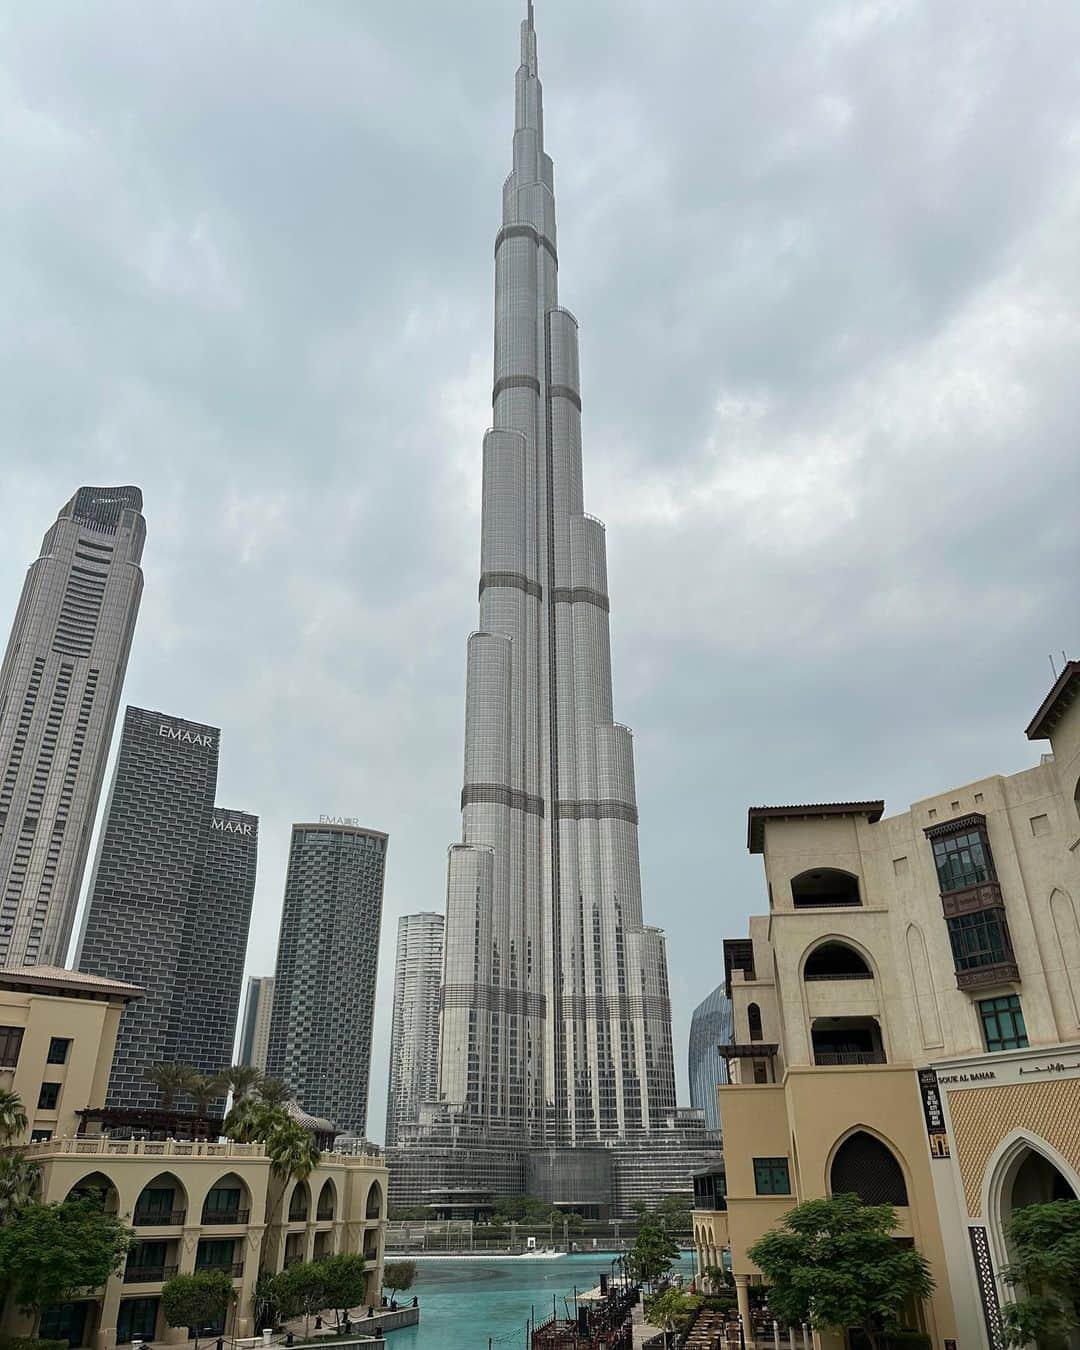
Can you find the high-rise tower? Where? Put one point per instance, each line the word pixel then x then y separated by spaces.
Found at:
pixel 60 687
pixel 711 1026
pixel 556 1024
pixel 414 1033
pixel 327 965
pixel 170 903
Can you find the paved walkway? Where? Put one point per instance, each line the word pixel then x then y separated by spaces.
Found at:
pixel 642 1330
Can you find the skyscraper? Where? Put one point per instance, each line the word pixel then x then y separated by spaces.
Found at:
pixel 414 1035
pixel 60 685
pixel 170 903
pixel 327 963
pixel 710 1027
pixel 255 1023
pixel 556 1023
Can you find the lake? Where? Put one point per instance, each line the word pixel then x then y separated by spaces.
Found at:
pixel 463 1302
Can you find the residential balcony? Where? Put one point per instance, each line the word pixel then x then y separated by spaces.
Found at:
pixel 233 1269
pixel 147 1220
pixel 149 1274
pixel 226 1217
pixel 984 977
pixel 831 1059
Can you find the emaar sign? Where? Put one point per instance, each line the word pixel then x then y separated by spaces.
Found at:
pixel 186 737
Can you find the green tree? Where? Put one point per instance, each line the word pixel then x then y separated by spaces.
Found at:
pixel 264 1308
pixel 834 1264
pixel 203 1089
pixel 674 1210
pixel 653 1253
pixel 274 1092
pixel 20 1183
pixel 1044 1241
pixel 241 1079
pixel 292 1151
pixel 345 1283
pixel 169 1079
pixel 13 1121
pixel 300 1291
pixel 399 1276
pixel 197 1301
pixel 55 1253
pixel 671 1310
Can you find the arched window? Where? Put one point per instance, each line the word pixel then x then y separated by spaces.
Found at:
pixel 865 1167
pixel 162 1203
pixel 327 1198
pixel 753 1019
pixel 825 888
pixel 836 961
pixel 300 1204
pixel 99 1189
pixel 374 1201
pixel 227 1202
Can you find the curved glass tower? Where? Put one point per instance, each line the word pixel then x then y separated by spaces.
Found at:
pixel 556 1023
pixel 712 1025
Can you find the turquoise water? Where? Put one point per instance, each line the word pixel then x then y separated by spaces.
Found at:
pixel 464 1302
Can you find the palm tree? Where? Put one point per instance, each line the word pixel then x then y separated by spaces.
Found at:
pixel 293 1155
pixel 20 1183
pixel 169 1079
pixel 274 1092
pixel 203 1088
pixel 241 1079
pixel 251 1120
pixel 13 1121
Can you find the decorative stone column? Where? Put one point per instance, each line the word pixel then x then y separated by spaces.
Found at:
pixel 742 1293
pixel 109 1312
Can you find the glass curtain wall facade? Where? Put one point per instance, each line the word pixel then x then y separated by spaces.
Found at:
pixel 556 1023
pixel 712 1025
pixel 170 903
pixel 60 685
pixel 255 1023
pixel 324 985
pixel 414 1036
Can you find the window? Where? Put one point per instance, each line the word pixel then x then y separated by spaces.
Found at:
pixel 963 860
pixel 58 1050
pixel 39 1136
pixel 1003 1023
pixel 753 1019
pixel 10 1045
pixel 825 888
pixel 48 1096
pixel 865 1167
pixel 771 1176
pixel 980 939
pixel 836 961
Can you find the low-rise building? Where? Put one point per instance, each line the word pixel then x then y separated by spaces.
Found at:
pixel 192 1204
pixel 57 1037
pixel 203 1206
pixel 907 1021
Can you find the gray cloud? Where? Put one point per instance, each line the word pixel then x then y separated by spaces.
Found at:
pixel 824 259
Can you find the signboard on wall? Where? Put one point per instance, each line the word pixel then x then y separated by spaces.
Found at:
pixel 933 1113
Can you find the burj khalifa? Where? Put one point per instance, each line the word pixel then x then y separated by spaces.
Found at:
pixel 555 1020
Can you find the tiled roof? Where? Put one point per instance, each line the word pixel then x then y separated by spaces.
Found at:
pixel 75 980
pixel 757 816
pixel 1064 693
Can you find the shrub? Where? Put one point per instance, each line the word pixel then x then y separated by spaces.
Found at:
pixel 30 1343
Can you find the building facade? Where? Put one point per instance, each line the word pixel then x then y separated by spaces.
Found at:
pixel 60 684
pixel 710 1027
pixel 556 1025
pixel 327 965
pixel 907 1021
pixel 170 903
pixel 414 1034
pixel 255 1021
pixel 57 1036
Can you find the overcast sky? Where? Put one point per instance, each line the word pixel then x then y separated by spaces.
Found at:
pixel 825 259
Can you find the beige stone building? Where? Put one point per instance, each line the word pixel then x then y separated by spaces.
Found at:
pixel 191 1205
pixel 907 1021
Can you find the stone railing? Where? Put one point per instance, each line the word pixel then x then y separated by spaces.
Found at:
pixel 102 1146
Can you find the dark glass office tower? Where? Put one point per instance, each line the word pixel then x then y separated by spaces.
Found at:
pixel 328 954
pixel 170 903
pixel 60 687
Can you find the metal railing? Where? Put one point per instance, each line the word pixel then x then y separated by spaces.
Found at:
pixel 146 1219
pixel 233 1268
pixel 221 1217
pixel 831 1058
pixel 149 1274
